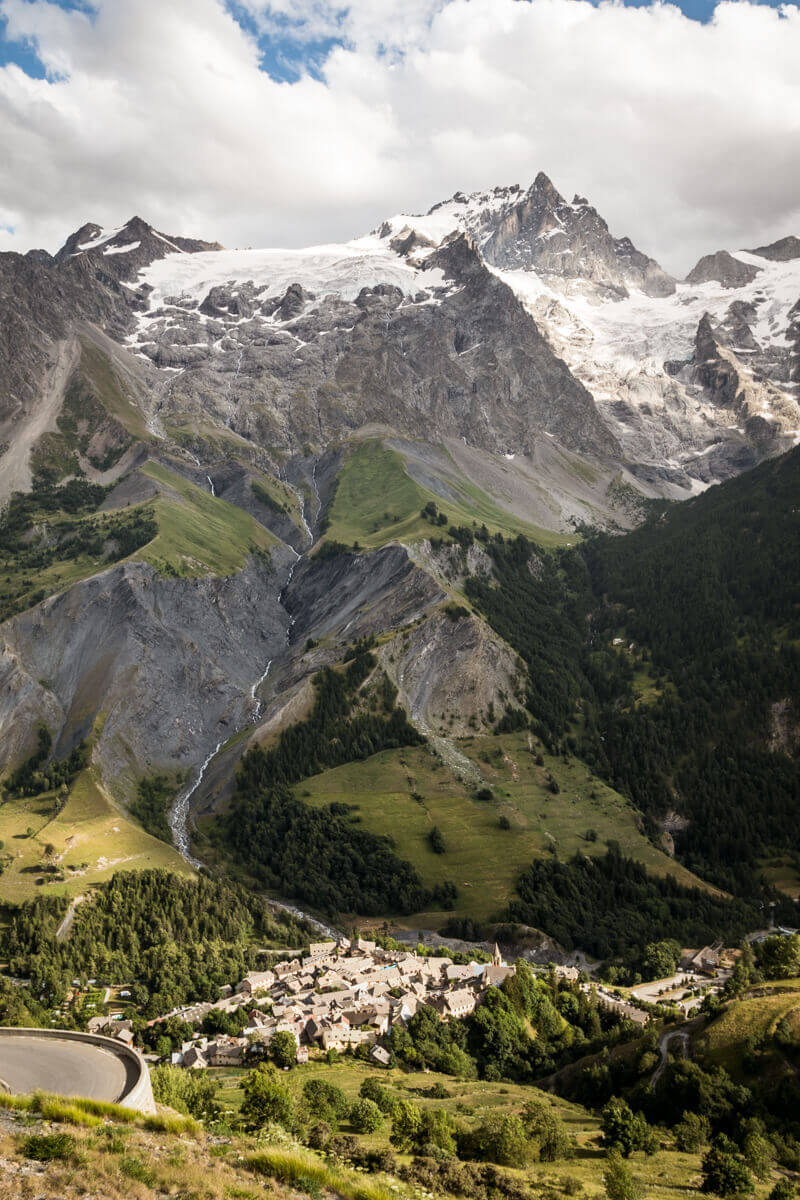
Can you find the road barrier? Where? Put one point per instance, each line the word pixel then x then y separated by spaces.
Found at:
pixel 137 1092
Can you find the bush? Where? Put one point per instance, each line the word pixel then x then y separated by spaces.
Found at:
pixel 134 1168
pixel 48 1147
pixel 625 1131
pixel 547 1131
pixel 500 1138
pixel 189 1092
pixel 618 1181
pixel 436 840
pixel 266 1100
pixel 365 1116
pixel 724 1173
pixel 373 1089
pixel 692 1132
pixel 325 1101
pixel 283 1049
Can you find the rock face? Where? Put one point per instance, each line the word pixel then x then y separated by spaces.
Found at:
pixel 455 354
pixel 351 595
pixel 158 668
pixel 571 242
pixel 569 245
pixel 784 250
pixel 505 340
pixel 724 268
pixel 122 253
pixel 452 674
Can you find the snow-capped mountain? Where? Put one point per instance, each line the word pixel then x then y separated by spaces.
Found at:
pixel 697 379
pixel 497 319
pixel 569 244
pixel 515 361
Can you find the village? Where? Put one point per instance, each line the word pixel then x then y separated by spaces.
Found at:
pixel 349 996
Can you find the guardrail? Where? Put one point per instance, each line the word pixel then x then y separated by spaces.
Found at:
pixel 137 1093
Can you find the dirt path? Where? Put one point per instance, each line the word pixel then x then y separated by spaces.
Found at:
pixel 69 916
pixel 15 465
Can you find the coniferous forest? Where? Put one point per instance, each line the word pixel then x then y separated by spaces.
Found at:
pixel 705 597
pixel 317 854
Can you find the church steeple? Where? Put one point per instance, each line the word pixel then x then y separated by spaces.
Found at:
pixel 497 960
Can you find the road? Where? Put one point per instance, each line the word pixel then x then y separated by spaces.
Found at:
pixel 68 1068
pixel 663 1044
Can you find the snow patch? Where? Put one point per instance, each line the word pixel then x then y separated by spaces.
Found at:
pixel 122 249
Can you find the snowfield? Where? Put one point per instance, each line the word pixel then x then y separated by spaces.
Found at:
pixel 341 270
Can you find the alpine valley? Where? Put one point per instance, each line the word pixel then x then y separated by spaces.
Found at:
pixel 449 576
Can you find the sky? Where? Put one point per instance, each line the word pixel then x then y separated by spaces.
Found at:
pixel 296 122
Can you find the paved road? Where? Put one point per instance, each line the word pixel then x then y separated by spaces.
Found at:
pixel 663 1044
pixel 68 1068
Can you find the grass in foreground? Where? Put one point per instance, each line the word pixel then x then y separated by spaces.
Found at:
pixel 116 1153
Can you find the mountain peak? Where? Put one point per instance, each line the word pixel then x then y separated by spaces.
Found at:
pixel 568 244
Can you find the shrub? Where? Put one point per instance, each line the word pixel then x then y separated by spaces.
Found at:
pixel 373 1089
pixel 325 1101
pixel 133 1168
pixel 617 1178
pixel 724 1173
pixel 436 840
pixel 266 1100
pixel 47 1147
pixel 365 1116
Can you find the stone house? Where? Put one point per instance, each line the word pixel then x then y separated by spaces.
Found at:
pixel 256 981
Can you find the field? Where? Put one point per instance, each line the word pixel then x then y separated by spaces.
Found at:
pixel 482 858
pixel 728 1038
pixel 668 1172
pixel 781 871
pixel 91 839
pixel 377 502
pixel 199 534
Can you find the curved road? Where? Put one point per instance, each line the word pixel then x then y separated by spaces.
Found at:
pixel 663 1045
pixel 68 1068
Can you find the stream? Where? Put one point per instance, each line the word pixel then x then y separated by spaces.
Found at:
pixel 180 813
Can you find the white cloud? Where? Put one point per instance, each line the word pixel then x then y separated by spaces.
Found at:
pixel 685 136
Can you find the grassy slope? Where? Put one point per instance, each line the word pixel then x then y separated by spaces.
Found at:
pixel 481 858
pixel 199 534
pixel 662 1176
pixel 377 502
pixel 114 1153
pixel 747 1020
pixel 89 830
pixel 108 389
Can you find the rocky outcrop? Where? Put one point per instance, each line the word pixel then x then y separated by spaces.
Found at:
pixel 123 252
pixel 453 674
pixel 159 669
pixel 784 250
pixel 570 242
pixel 343 597
pixel 724 268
